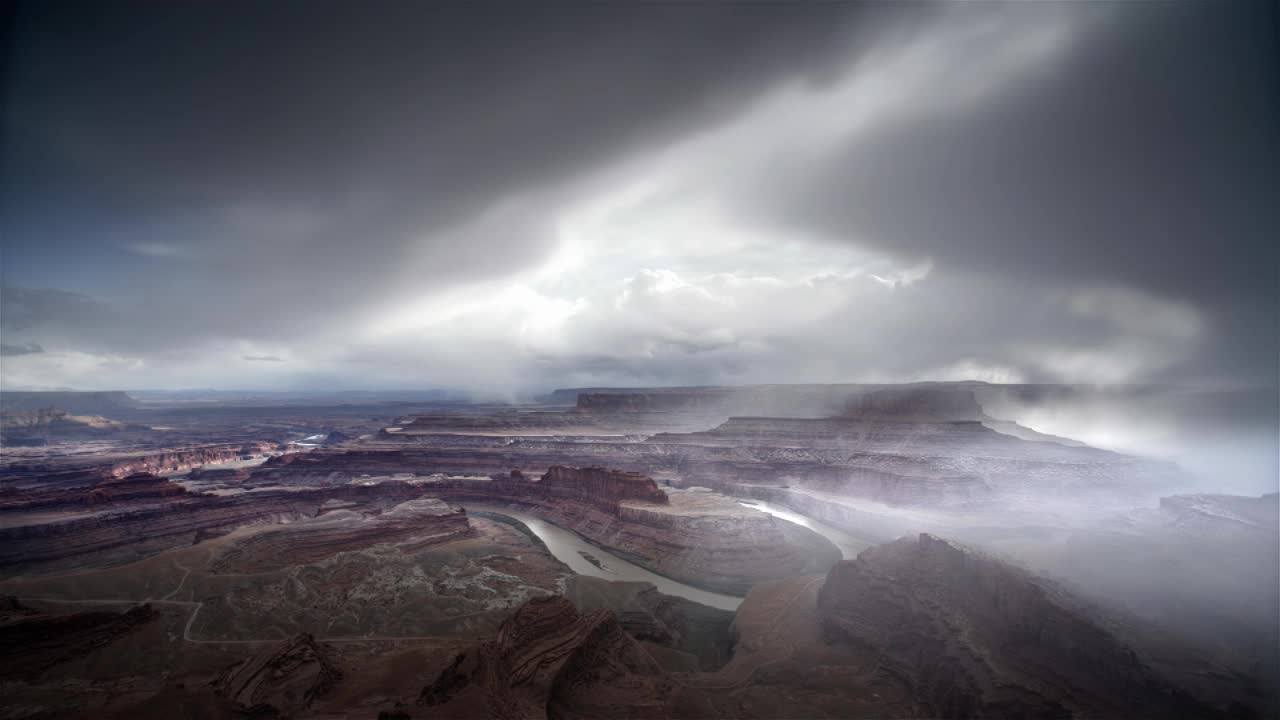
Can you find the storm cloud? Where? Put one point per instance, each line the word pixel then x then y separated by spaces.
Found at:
pixel 14 350
pixel 505 196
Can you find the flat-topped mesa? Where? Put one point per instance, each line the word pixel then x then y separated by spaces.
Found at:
pixel 597 484
pixel 175 521
pixel 921 404
pixel 180 460
pixel 499 423
pixel 939 402
pixel 139 486
pixel 74 402
pixel 658 400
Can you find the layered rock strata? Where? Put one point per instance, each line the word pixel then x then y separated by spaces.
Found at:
pixel 601 486
pixel 142 486
pixel 282 680
pixel 32 642
pixel 549 660
pixel 415 524
pixel 154 525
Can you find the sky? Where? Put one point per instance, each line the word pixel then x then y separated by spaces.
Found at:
pixel 525 196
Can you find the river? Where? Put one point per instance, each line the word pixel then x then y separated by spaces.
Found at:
pixel 568 547
pixel 849 545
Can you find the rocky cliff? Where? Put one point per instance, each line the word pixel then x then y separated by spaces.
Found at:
pixel 28 427
pixel 602 486
pixel 970 636
pixel 174 461
pixel 149 526
pixel 141 486
pixel 32 642
pixel 549 660
pixel 282 680
pixel 680 634
pixel 414 523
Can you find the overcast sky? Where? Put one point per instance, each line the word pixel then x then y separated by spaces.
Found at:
pixel 525 196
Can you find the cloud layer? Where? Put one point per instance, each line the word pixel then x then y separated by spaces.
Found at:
pixel 416 196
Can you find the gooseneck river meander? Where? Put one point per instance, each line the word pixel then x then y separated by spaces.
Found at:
pixel 571 549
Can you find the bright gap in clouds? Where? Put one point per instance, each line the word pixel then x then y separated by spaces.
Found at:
pixel 663 262
pixel 653 257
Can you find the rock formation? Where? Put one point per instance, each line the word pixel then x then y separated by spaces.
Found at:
pixel 970 636
pixel 174 461
pixel 32 642
pixel 36 427
pixel 141 486
pixel 172 520
pixel 682 635
pixel 414 523
pixel 282 680
pixel 601 486
pixel 549 660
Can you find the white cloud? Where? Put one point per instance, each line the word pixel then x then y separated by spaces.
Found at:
pixel 160 250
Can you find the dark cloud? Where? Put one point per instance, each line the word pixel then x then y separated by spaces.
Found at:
pixel 14 350
pixel 1147 158
pixel 340 141
pixel 187 185
pixel 44 309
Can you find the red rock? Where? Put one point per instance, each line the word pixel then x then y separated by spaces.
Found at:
pixel 596 484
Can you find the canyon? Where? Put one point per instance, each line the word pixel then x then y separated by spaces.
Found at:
pixel 763 551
